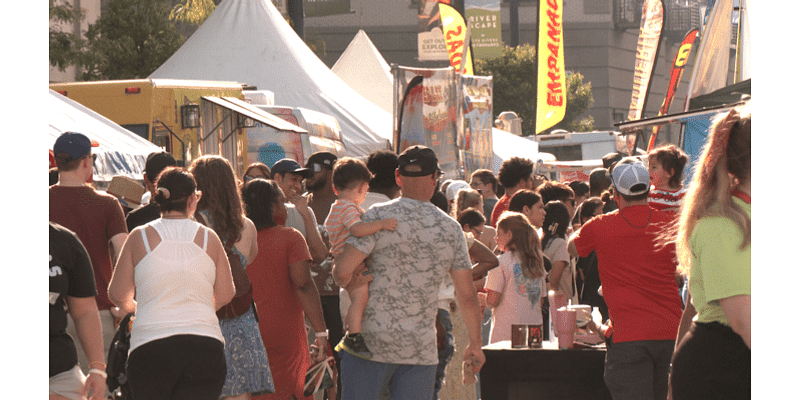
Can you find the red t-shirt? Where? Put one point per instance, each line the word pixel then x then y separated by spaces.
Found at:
pixel 281 318
pixel 638 277
pixel 499 208
pixel 95 217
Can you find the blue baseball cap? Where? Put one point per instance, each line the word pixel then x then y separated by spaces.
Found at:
pixel 72 146
pixel 288 165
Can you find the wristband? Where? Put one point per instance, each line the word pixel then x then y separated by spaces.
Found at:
pixel 322 334
pixel 99 372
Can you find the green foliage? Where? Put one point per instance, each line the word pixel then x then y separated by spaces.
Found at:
pixel 514 85
pixel 192 11
pixel 130 40
pixel 64 45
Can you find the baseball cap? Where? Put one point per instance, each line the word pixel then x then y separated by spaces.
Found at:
pixel 321 159
pixel 421 157
pixel 454 188
pixel 630 177
pixel 156 162
pixel 72 146
pixel 288 165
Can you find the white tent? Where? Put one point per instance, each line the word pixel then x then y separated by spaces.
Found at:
pixel 248 41
pixel 120 151
pixel 507 145
pixel 363 68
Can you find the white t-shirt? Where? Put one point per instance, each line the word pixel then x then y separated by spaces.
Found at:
pixel 557 251
pixel 520 303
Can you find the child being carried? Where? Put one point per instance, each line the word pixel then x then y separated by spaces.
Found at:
pixel 351 182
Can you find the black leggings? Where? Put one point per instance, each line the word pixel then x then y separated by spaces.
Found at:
pixel 177 367
pixel 711 362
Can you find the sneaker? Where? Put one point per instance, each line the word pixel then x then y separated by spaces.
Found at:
pixel 355 345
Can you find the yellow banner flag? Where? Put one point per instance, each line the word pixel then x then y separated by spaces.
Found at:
pixel 551 98
pixel 456 39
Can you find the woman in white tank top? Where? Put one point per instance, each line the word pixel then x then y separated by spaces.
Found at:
pixel 173 273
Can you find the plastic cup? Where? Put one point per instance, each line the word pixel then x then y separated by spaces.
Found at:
pixel 519 336
pixel 566 327
pixel 556 300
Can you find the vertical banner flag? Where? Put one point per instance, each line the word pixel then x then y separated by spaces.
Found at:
pixel 646 53
pixel 476 101
pixel 457 39
pixel 426 100
pixel 483 19
pixel 321 8
pixel 743 44
pixel 551 92
pixel 710 70
pixel 430 40
pixel 681 57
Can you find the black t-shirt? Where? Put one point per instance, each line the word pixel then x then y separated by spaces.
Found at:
pixel 71 274
pixel 142 215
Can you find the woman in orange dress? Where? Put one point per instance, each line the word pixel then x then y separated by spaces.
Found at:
pixel 283 291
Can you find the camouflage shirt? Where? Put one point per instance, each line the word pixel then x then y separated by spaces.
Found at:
pixel 408 266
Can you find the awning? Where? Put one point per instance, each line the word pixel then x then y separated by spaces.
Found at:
pixel 254 113
pixel 672 118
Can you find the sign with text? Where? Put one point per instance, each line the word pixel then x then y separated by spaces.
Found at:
pixel 551 91
pixel 483 20
pixel 430 38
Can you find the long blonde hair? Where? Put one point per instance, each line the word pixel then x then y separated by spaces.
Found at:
pixel 726 155
pixel 524 243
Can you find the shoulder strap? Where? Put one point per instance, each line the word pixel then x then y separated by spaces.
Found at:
pixel 144 239
pixel 205 238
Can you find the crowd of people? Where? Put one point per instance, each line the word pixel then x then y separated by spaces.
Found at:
pixel 239 284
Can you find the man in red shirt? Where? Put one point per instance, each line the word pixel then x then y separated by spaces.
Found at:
pixel 96 218
pixel 638 279
pixel 514 175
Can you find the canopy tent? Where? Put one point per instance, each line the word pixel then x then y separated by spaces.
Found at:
pixel 507 145
pixel 120 151
pixel 248 41
pixel 363 68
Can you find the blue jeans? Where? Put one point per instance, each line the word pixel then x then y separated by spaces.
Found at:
pixel 638 370
pixel 367 380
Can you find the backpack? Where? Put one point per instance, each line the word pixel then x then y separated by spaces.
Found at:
pixel 117 380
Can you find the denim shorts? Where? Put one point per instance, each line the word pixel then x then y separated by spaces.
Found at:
pixel 365 379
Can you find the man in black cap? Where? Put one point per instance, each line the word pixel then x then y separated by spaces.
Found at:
pixel 96 218
pixel 156 162
pixel 407 267
pixel 289 176
pixel 319 185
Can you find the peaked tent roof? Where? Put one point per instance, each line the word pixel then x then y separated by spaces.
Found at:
pixel 120 151
pixel 363 68
pixel 248 41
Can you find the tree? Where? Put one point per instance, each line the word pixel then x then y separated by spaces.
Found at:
pixel 192 11
pixel 514 85
pixel 64 46
pixel 130 40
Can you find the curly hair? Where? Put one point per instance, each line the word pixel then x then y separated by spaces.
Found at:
pixel 467 198
pixel 514 170
pixel 221 198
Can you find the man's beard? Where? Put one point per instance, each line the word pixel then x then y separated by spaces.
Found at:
pixel 317 185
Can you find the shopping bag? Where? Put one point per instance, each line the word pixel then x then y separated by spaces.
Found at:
pixel 319 376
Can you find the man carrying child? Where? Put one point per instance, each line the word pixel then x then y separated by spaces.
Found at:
pixel 407 266
pixel 351 182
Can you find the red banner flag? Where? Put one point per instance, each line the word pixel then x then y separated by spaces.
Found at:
pixel 681 57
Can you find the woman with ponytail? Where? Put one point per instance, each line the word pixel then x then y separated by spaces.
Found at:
pixel 515 289
pixel 561 277
pixel 713 246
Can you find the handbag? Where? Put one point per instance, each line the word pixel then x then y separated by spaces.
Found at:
pixel 243 299
pixel 117 377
